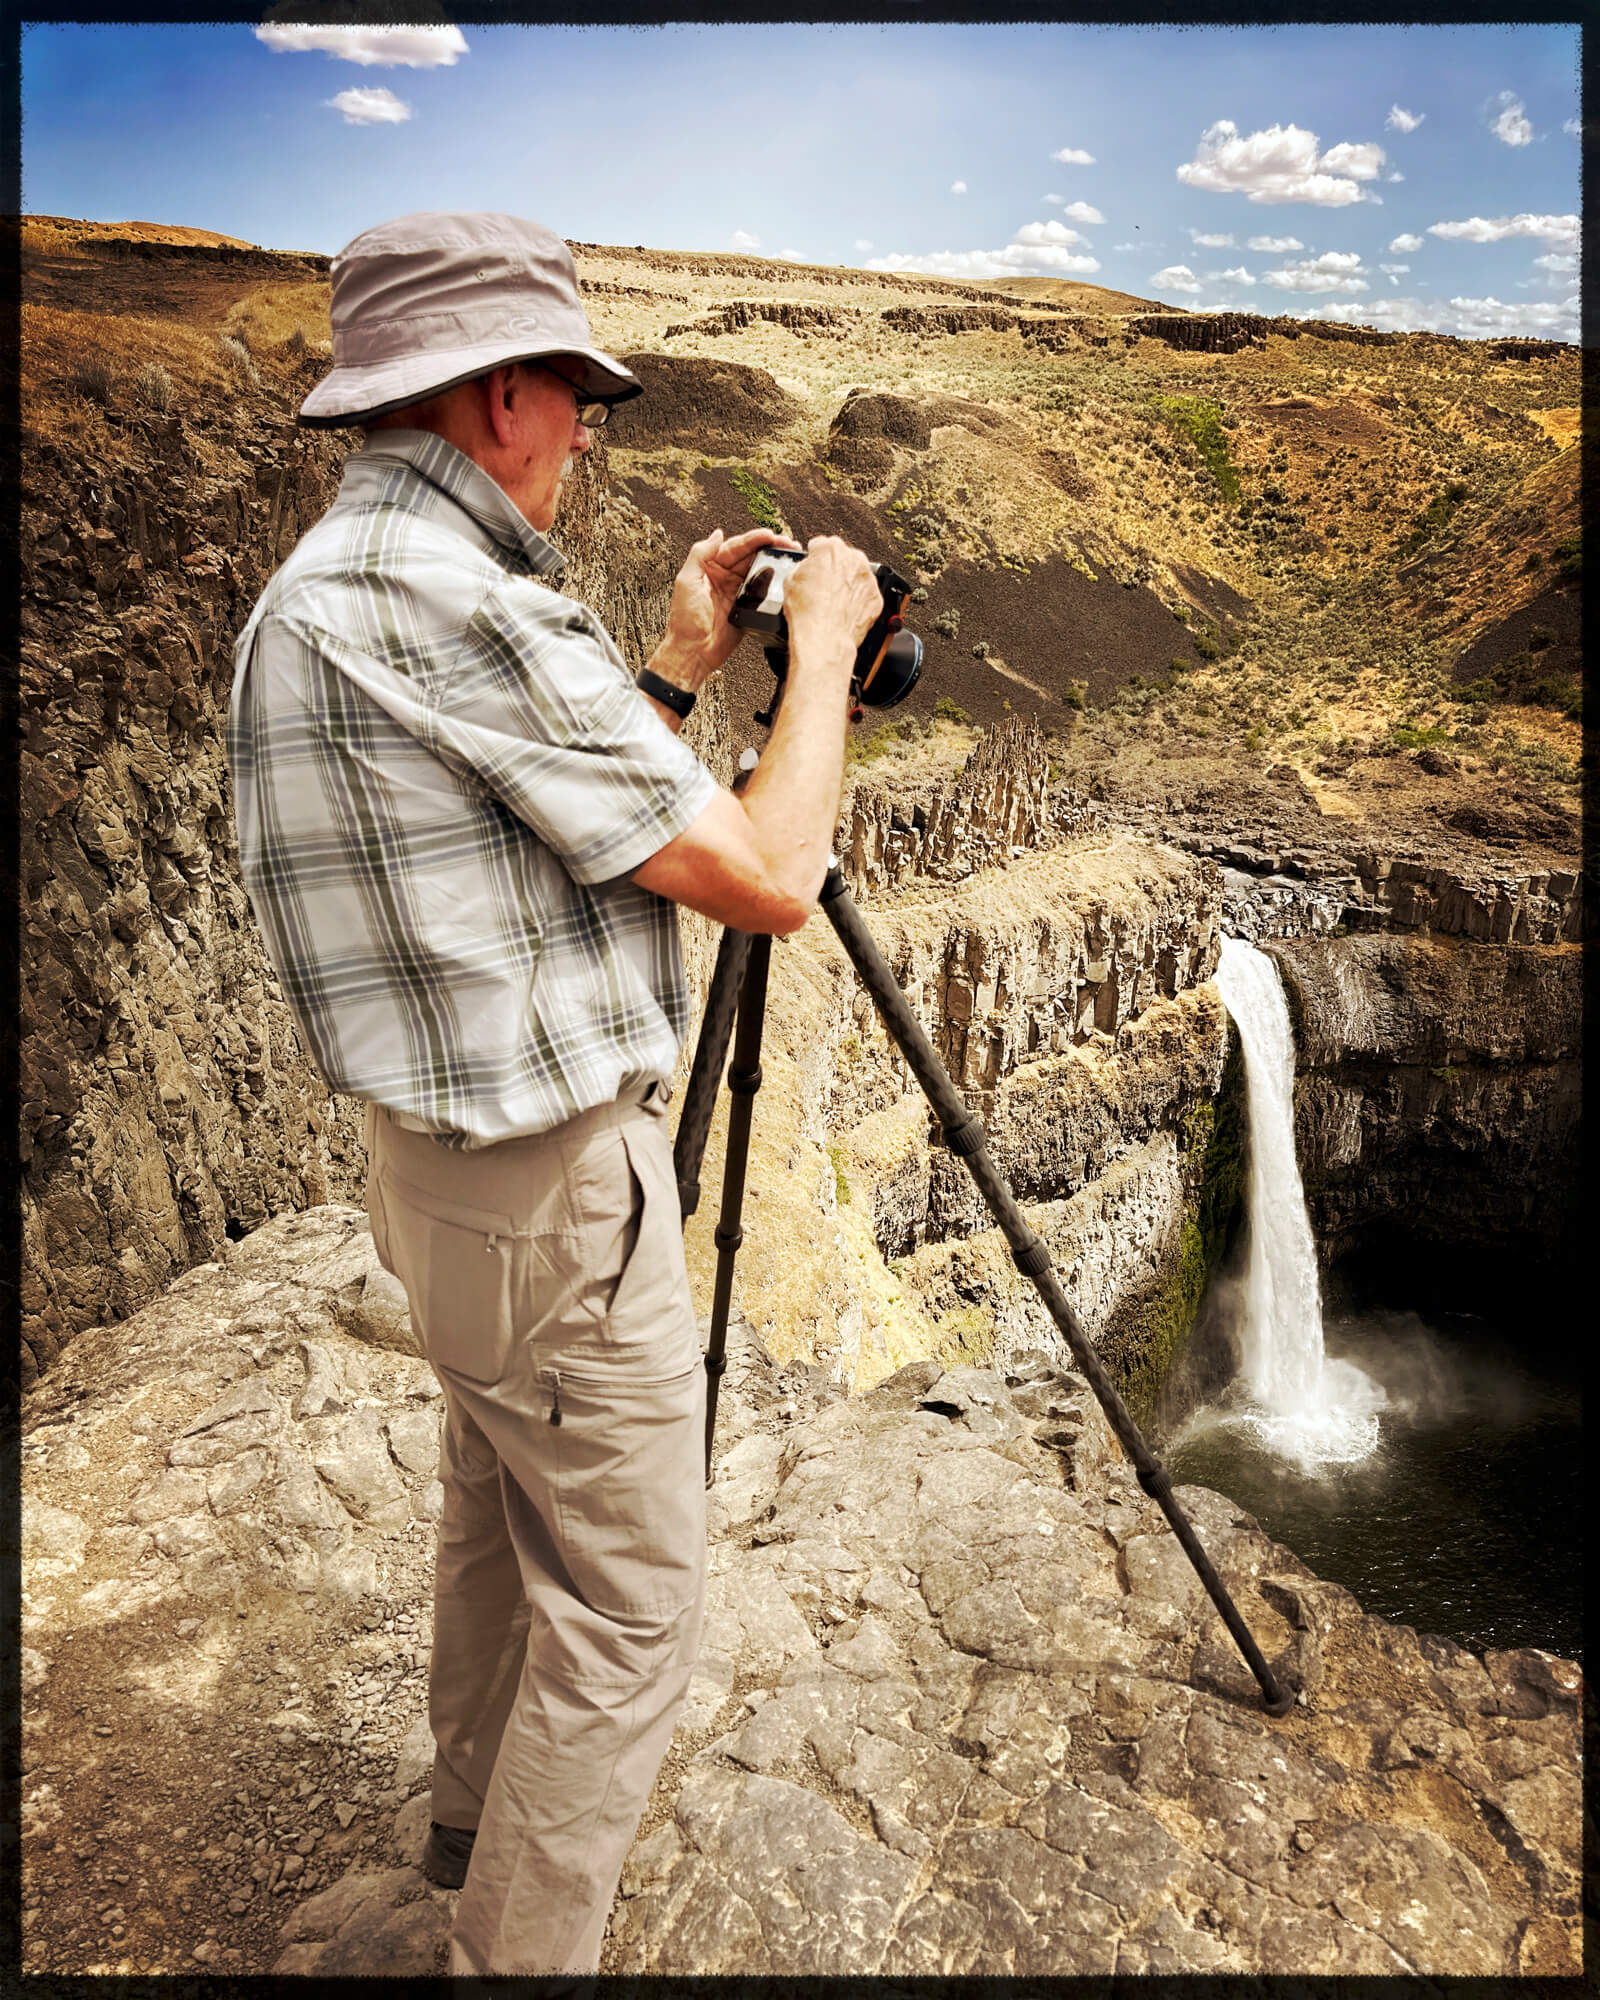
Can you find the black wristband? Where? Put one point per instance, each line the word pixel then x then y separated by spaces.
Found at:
pixel 679 700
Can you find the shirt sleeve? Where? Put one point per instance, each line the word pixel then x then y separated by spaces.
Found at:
pixel 541 708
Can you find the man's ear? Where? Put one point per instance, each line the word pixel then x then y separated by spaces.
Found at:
pixel 501 387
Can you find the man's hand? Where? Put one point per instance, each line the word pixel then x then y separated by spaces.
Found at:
pixel 698 637
pixel 832 595
pixel 757 861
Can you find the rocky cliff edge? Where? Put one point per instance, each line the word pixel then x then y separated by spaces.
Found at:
pixel 960 1707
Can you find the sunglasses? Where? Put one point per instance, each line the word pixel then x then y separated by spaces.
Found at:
pixel 592 414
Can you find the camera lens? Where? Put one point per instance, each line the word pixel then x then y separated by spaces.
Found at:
pixel 897 673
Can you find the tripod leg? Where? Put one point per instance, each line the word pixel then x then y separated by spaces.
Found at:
pixel 705 1073
pixel 744 1080
pixel 964 1135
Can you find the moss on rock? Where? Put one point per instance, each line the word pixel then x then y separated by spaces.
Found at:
pixel 1148 1335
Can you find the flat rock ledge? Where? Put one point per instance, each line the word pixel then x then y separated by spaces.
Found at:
pixel 962 1707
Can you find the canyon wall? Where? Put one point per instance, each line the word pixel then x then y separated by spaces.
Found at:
pixel 1439 1095
pixel 1062 972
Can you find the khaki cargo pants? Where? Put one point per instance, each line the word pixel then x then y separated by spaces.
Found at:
pixel 547 1287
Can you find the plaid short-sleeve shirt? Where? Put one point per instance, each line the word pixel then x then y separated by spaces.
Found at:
pixel 443 777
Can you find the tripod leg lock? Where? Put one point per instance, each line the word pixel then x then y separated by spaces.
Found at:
pixel 744 1082
pixel 1032 1259
pixel 1156 1481
pixel 727 1239
pixel 964 1138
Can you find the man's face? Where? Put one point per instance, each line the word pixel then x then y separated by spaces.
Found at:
pixel 548 438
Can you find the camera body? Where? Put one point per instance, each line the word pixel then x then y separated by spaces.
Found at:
pixel 888 660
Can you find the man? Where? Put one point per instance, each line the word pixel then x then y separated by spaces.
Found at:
pixel 464 830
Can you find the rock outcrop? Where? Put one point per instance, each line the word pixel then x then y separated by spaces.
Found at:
pixel 791 313
pixel 960 1708
pixel 1438 1093
pixel 165 1100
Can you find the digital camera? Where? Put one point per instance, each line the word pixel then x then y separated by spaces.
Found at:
pixel 889 659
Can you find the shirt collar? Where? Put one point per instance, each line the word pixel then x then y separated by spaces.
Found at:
pixel 464 481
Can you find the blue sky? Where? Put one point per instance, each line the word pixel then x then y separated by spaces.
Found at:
pixel 1408 176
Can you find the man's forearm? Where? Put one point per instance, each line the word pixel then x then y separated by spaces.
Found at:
pixel 792 798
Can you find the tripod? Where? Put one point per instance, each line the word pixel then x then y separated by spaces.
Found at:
pixel 739 985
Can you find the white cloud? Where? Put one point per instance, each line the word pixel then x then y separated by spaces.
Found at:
pixel 1485 318
pixel 1204 242
pixel 1274 246
pixel 1333 271
pixel 1074 156
pixel 1406 244
pixel 1470 319
pixel 1014 261
pixel 1362 163
pixel 1394 177
pixel 1573 125
pixel 1389 269
pixel 863 242
pixel 1081 211
pixel 1558 229
pixel 389 48
pixel 1175 278
pixel 1511 124
pixel 1283 163
pixel 1038 250
pixel 1401 120
pixel 741 239
pixel 1055 199
pixel 793 257
pixel 1127 246
pixel 1557 261
pixel 370 107
pixel 1236 274
pixel 958 187
pixel 1046 232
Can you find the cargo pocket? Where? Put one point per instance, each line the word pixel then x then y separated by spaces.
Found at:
pixel 630 1485
pixel 609 1203
pixel 459 1267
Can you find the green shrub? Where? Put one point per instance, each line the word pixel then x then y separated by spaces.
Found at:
pixel 1569 554
pixel 1077 694
pixel 948 623
pixel 758 497
pixel 1433 517
pixel 950 711
pixel 1208 645
pixel 1524 682
pixel 1199 419
pixel 981 650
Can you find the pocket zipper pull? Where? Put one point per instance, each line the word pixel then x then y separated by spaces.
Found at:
pixel 492 1244
pixel 555 1397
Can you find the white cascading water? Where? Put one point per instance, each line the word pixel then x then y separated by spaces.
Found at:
pixel 1302 1405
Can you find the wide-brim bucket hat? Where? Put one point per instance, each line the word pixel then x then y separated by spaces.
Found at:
pixel 430 300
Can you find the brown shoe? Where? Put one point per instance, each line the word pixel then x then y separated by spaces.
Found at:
pixel 446 1853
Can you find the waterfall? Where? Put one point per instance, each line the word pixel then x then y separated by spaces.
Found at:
pixel 1302 1405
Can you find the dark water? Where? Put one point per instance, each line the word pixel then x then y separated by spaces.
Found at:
pixel 1465 1521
